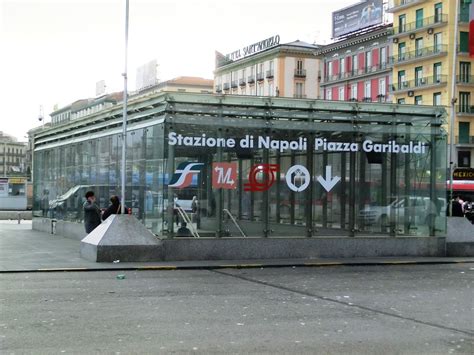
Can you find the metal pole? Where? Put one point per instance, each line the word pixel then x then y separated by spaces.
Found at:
pixel 124 114
pixel 453 107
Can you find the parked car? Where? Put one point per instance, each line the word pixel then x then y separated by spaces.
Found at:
pixel 418 211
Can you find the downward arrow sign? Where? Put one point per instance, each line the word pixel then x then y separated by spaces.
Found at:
pixel 329 182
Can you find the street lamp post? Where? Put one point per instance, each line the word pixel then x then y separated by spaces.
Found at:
pixel 453 107
pixel 124 114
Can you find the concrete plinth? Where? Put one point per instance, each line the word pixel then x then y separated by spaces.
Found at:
pixel 121 237
pixel 460 238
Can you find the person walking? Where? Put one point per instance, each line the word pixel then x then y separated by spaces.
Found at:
pixel 114 208
pixel 91 212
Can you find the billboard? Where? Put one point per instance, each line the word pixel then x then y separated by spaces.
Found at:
pixel 357 17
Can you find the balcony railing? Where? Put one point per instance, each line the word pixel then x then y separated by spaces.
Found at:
pixel 251 79
pixel 242 82
pixel 269 74
pixel 218 88
pixel 299 96
pixel 356 72
pixel 300 73
pixel 421 24
pixel 234 84
pixel 393 5
pixel 419 83
pixel 226 86
pixel 260 77
pixel 464 140
pixel 465 109
pixel 465 79
pixel 418 53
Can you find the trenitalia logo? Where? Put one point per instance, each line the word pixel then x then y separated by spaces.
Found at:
pixel 183 176
pixel 261 177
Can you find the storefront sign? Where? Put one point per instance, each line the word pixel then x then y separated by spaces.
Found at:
pixel 253 48
pixel 463 174
pixel 300 144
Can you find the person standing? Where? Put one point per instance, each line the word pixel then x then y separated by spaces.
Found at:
pixel 91 212
pixel 114 208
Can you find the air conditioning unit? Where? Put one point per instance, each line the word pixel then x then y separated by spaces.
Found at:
pixel 430 31
pixel 405 84
pixel 411 93
pixel 423 81
pixel 412 36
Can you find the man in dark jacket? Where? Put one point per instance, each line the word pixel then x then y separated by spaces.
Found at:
pixel 114 208
pixel 91 212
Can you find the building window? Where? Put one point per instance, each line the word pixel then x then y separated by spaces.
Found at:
pixel 464 102
pixel 355 64
pixel 419 80
pixel 329 94
pixel 382 87
pixel 299 90
pixel 438 11
pixel 342 66
pixel 383 57
pixel 401 51
pixel 341 93
pixel 437 99
pixel 464 132
pixel 419 47
pixel 367 91
pixel 464 72
pixel 419 100
pixel 437 72
pixel 402 22
pixel 354 92
pixel 464 42
pixel 368 61
pixel 402 83
pixel 270 89
pixel 260 90
pixel 419 18
pixel 330 69
pixel 464 159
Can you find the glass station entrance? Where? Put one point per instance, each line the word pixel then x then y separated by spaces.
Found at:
pixel 261 167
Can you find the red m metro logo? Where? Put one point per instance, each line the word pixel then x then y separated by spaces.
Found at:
pixel 224 175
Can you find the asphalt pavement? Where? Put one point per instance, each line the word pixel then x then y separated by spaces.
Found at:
pixel 25 250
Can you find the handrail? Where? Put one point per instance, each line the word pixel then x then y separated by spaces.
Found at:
pixel 186 218
pixel 235 221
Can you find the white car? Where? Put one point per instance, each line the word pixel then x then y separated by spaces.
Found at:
pixel 418 211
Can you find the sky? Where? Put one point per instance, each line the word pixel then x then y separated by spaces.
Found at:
pixel 53 52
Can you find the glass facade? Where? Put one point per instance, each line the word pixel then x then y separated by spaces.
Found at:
pixel 290 170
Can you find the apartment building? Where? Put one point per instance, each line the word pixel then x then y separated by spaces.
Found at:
pixel 268 68
pixel 356 68
pixel 424 50
pixel 12 156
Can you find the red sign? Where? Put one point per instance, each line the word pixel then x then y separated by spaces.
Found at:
pixel 224 175
pixel 261 177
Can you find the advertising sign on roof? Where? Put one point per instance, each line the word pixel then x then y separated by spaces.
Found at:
pixel 357 17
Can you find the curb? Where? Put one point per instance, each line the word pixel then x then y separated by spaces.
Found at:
pixel 241 266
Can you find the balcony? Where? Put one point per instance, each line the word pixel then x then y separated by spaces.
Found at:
pixel 424 23
pixel 299 96
pixel 465 110
pixel 269 74
pixel 300 73
pixel 234 84
pixel 464 140
pixel 418 54
pixel 465 79
pixel 218 88
pixel 242 82
pixel 397 5
pixel 420 83
pixel 251 79
pixel 226 86
pixel 260 77
pixel 356 73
